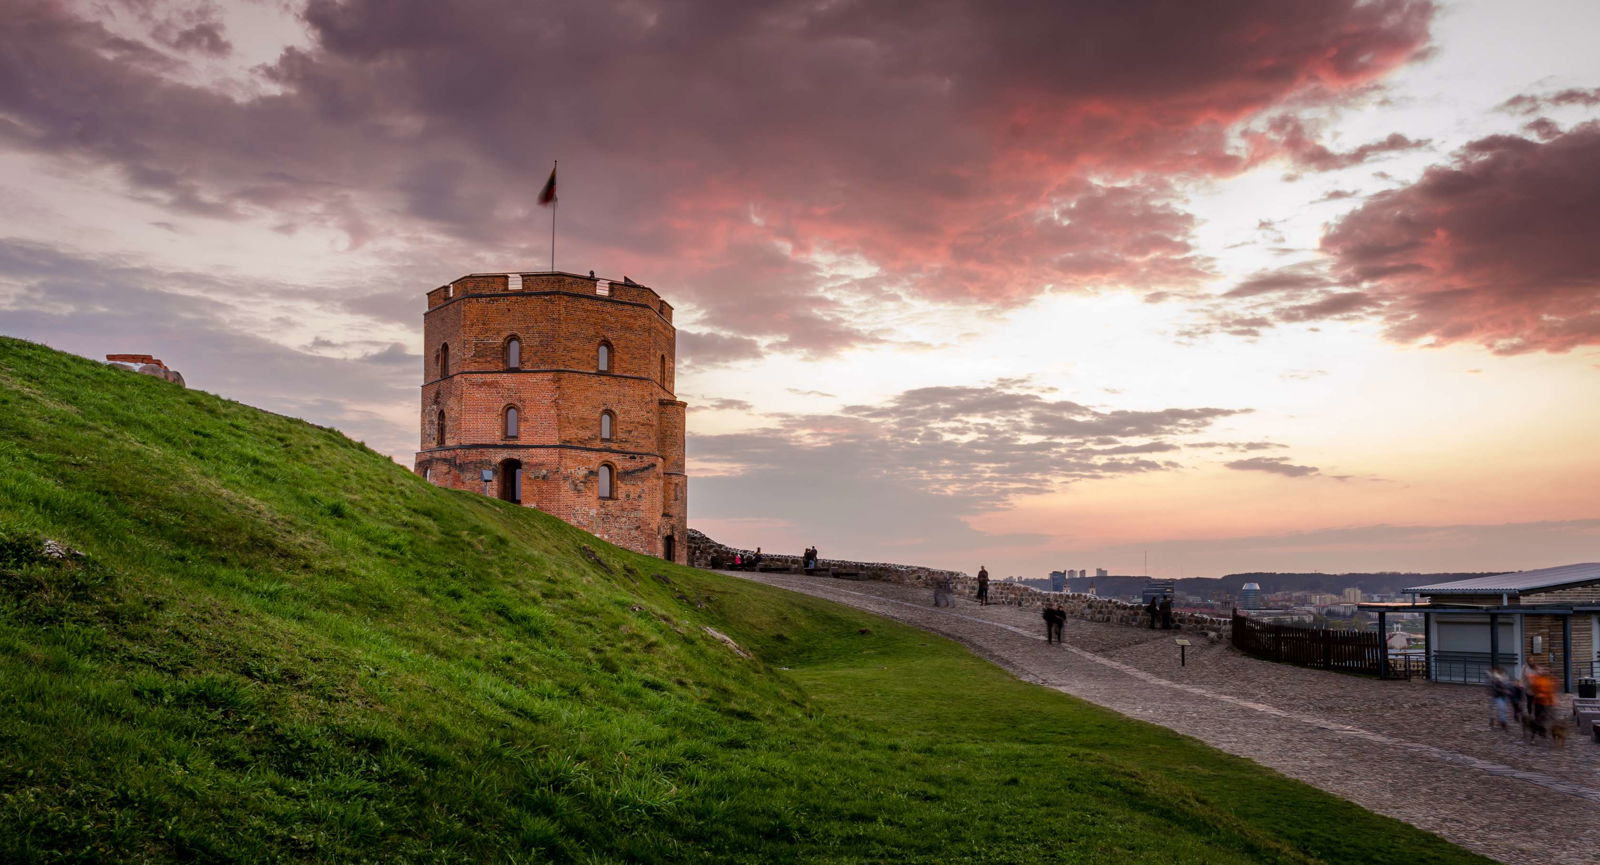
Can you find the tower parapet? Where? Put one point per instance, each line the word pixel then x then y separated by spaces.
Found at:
pixel 556 391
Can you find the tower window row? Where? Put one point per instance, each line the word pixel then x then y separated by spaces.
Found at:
pixel 511 355
pixel 511 425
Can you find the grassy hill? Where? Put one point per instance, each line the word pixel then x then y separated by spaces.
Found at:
pixel 278 645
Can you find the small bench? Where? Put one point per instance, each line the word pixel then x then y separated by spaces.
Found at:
pixel 1586 716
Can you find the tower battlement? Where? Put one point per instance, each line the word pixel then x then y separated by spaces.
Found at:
pixel 549 281
pixel 561 388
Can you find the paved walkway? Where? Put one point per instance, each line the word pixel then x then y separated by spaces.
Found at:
pixel 1416 751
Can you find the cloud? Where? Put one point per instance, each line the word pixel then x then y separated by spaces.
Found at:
pixel 952 154
pixel 1496 248
pixel 1542 128
pixel 1527 103
pixel 1236 446
pixel 949 451
pixel 1285 279
pixel 1273 465
pixel 1289 135
pixel 926 459
pixel 703 349
pixel 721 404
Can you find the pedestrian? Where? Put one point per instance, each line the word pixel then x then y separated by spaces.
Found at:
pixel 1054 618
pixel 1153 610
pixel 983 586
pixel 1542 697
pixel 1499 699
pixel 1515 694
pixel 1525 679
pixel 1166 614
pixel 755 560
pixel 738 561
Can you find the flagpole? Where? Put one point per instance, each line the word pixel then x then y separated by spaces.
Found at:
pixel 555 205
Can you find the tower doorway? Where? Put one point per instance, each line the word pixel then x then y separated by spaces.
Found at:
pixel 511 480
pixel 669 548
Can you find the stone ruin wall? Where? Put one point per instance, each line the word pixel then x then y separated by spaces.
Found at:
pixel 146 365
pixel 707 553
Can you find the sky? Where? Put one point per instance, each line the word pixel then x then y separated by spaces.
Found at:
pixel 1225 286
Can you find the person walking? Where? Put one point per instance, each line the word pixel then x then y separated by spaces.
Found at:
pixel 1054 618
pixel 1499 699
pixel 1166 614
pixel 1542 696
pixel 1525 680
pixel 1153 610
pixel 983 586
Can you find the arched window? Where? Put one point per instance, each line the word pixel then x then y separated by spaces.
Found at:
pixel 438 431
pixel 603 359
pixel 513 353
pixel 444 359
pixel 607 481
pixel 608 423
pixel 511 421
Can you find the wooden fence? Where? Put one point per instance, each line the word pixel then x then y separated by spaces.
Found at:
pixel 1323 648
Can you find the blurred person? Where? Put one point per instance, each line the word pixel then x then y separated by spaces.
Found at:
pixel 1500 696
pixel 1542 697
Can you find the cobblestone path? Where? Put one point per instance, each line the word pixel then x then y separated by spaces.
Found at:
pixel 1415 751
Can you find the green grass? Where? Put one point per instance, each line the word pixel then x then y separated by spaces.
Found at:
pixel 280 646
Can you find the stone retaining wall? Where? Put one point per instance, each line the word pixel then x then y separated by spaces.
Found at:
pixel 707 553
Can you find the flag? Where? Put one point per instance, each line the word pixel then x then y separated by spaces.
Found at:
pixel 547 195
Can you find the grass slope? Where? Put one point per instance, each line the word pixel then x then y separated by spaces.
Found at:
pixel 281 646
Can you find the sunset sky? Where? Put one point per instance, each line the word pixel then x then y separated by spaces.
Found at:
pixel 1245 285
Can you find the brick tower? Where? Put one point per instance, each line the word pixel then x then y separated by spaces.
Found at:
pixel 555 391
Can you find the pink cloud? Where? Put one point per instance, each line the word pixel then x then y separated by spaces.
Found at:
pixel 1496 248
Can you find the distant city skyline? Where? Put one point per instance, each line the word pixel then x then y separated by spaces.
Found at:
pixel 1249 286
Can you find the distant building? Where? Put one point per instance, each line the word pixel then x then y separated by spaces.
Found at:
pixel 1100 572
pixel 1058 581
pixel 1250 596
pixel 1157 589
pixel 1352 595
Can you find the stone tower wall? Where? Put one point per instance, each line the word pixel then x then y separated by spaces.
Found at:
pixel 561 320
